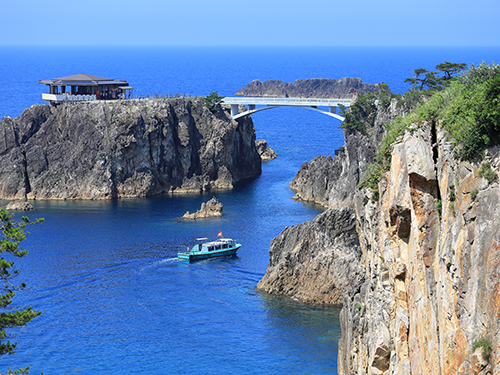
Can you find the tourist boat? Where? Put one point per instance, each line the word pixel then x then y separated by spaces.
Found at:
pixel 204 250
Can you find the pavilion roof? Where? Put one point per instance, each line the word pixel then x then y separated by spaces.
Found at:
pixel 81 79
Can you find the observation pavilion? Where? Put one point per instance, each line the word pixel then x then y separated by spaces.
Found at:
pixel 84 87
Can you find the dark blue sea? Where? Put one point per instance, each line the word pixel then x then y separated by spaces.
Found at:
pixel 115 298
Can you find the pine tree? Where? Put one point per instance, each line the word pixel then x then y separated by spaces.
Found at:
pixel 11 235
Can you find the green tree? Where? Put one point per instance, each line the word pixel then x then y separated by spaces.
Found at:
pixel 213 101
pixel 11 235
pixel 423 78
pixel 449 69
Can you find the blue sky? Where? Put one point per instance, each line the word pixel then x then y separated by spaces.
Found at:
pixel 257 22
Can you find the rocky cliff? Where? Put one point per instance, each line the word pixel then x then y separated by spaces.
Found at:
pixel 331 182
pixel 342 88
pixel 431 258
pixel 426 298
pixel 100 150
pixel 316 262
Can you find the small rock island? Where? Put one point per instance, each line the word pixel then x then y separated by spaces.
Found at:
pixel 212 208
pixel 266 153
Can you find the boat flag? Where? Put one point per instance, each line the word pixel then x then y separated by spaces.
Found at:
pixel 219 234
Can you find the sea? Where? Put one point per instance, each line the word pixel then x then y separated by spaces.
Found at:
pixel 114 297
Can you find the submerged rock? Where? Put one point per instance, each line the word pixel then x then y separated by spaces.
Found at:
pixel 128 148
pixel 212 208
pixel 264 151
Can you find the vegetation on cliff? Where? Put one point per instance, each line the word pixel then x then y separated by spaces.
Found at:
pixel 468 108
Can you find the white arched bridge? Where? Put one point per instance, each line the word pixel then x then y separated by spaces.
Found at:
pixel 269 103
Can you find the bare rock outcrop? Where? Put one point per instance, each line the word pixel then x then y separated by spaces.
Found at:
pixel 316 262
pixel 343 88
pixel 431 259
pixel 212 208
pixel 127 148
pixel 19 205
pixel 266 153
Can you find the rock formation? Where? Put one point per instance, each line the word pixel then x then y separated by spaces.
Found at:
pixel 19 205
pixel 315 262
pixel 342 88
pixel 431 257
pixel 331 182
pixel 124 149
pixel 310 262
pixel 266 153
pixel 212 208
pixel 427 298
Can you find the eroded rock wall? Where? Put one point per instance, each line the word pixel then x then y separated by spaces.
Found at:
pixel 332 182
pixel 127 148
pixel 431 269
pixel 316 262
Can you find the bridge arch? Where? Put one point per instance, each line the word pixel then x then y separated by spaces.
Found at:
pixel 252 111
pixel 270 103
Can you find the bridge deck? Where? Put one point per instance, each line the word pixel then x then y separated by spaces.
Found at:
pixel 325 102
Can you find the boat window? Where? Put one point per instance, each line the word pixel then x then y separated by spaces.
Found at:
pixel 211 248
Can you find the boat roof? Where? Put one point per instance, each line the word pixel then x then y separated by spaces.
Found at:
pixel 218 241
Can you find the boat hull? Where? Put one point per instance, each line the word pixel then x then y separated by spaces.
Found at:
pixel 195 255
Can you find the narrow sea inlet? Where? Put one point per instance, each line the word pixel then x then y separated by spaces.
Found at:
pixel 115 298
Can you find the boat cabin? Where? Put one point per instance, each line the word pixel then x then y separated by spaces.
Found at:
pixel 85 87
pixel 217 245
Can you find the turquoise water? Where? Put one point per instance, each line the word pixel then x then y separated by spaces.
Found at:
pixel 115 298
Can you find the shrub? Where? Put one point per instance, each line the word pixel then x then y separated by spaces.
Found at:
pixel 473 194
pixel 361 115
pixel 213 101
pixel 486 172
pixel 451 194
pixel 439 206
pixel 485 344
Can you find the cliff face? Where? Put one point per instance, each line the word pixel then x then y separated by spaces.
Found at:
pixel 426 298
pixel 315 262
pixel 332 182
pixel 430 300
pixel 342 88
pixel 123 149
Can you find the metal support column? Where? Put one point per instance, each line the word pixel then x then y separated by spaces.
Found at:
pixel 234 109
